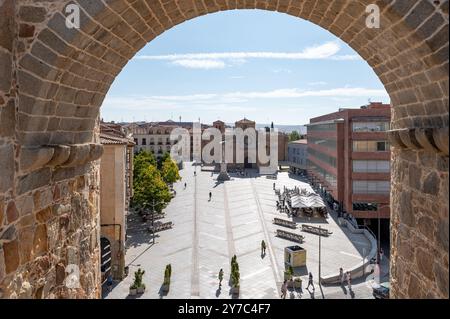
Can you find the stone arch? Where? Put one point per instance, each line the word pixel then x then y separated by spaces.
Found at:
pixel 56 78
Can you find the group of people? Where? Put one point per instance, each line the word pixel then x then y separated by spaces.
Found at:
pixel 284 286
pixel 345 277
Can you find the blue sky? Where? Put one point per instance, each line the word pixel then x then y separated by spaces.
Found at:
pixel 261 65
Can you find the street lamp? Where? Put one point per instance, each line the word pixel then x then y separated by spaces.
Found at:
pixel 379 226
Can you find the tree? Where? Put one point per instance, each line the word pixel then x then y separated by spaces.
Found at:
pixel 169 171
pixel 294 136
pixel 141 161
pixel 148 187
pixel 162 159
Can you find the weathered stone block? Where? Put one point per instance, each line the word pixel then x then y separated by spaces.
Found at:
pixel 2 268
pixel 425 263
pixel 9 234
pixel 2 212
pixel 26 30
pixel 25 204
pixel 60 273
pixel 11 256
pixel 431 184
pixel 43 198
pixel 32 14
pixel 442 235
pixel 11 212
pixel 44 215
pixel 40 240
pixel 26 236
pixel 34 180
pixel 7 24
pixel 8 119
pixel 7 167
pixel 441 275
pixel 5 71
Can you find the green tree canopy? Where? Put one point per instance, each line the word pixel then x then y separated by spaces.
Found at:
pixel 141 161
pixel 162 159
pixel 169 171
pixel 148 187
pixel 294 136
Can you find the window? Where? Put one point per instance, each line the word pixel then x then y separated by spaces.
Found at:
pixel 136 141
pixel 371 187
pixel 325 142
pixel 370 146
pixel 330 160
pixel 323 174
pixel 370 126
pixel 371 166
pixel 365 206
pixel 144 141
pixel 321 128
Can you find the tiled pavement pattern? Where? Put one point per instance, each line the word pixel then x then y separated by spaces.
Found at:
pixel 207 233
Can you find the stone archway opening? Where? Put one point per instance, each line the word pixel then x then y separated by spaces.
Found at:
pixel 54 79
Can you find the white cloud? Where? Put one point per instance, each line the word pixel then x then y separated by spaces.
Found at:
pixel 328 50
pixel 231 99
pixel 200 64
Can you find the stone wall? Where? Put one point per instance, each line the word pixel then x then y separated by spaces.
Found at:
pixel 54 79
pixel 48 211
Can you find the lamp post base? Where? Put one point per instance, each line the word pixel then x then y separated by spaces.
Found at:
pixel 223 175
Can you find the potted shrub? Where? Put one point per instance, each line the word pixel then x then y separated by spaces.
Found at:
pixel 288 273
pixel 138 287
pixel 167 275
pixel 298 283
pixel 133 290
pixel 235 276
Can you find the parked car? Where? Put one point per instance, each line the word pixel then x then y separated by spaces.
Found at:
pixel 381 291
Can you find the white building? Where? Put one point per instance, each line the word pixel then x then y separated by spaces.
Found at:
pixel 298 155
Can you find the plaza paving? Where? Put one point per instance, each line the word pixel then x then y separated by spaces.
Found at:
pixel 206 234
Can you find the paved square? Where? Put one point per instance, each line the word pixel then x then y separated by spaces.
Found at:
pixel 206 234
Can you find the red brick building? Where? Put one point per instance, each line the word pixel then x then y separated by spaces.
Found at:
pixel 349 157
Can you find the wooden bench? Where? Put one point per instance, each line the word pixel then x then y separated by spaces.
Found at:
pixel 160 227
pixel 286 223
pixel 290 236
pixel 316 230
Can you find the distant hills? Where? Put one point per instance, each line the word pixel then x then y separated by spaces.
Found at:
pixel 301 129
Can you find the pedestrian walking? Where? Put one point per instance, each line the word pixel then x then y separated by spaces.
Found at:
pixel 310 281
pixel 381 254
pixel 185 185
pixel 263 247
pixel 284 289
pixel 341 276
pixel 220 277
pixel 210 195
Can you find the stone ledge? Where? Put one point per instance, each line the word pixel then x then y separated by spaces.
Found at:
pixel 432 139
pixel 33 158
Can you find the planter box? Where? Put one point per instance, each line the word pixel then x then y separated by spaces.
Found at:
pixel 165 288
pixel 287 276
pixel 133 291
pixel 140 290
pixel 235 291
